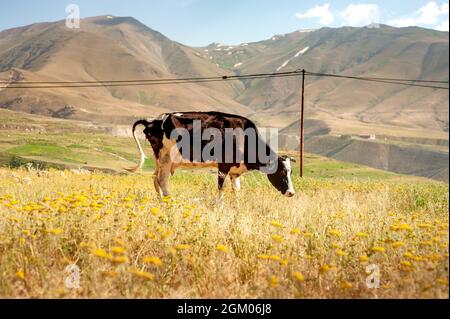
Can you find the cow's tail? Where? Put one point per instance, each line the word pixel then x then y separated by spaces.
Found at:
pixel 141 151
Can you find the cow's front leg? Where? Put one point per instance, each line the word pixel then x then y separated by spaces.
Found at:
pixel 222 178
pixel 235 183
pixel 156 179
pixel 164 175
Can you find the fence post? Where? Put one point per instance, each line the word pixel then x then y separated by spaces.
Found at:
pixel 302 122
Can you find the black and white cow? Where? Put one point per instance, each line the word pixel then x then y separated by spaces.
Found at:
pixel 228 142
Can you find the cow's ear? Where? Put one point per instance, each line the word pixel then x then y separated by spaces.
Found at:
pixel 285 157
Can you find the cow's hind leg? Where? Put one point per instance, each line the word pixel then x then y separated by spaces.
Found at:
pixel 164 176
pixel 235 183
pixel 156 178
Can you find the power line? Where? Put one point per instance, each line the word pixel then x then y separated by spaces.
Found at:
pixel 375 78
pixel 225 77
pixel 384 80
pixel 155 82
pixel 150 82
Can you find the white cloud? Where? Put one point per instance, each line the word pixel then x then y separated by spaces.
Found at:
pixel 322 12
pixel 357 15
pixel 443 26
pixel 430 14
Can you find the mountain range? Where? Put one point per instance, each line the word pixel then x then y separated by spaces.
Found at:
pixel 122 48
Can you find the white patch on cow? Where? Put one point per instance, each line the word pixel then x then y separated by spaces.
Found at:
pixel 161 116
pixel 287 165
pixel 164 118
pixel 178 114
pixel 172 154
pixel 236 183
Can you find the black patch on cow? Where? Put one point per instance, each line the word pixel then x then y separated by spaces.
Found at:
pixel 219 121
pixel 154 135
pixel 280 179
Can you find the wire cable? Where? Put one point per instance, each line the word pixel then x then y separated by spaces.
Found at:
pixel 383 80
pixel 150 82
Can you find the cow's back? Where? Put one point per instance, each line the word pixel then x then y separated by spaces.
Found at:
pixel 197 123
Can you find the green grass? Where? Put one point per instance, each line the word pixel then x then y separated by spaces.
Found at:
pixel 38 149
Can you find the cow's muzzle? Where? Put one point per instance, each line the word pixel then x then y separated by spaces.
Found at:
pixel 289 194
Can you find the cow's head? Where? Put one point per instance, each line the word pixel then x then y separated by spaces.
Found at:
pixel 281 178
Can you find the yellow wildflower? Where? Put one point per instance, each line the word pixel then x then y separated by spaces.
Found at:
pixel 55 232
pixel 426 243
pixel 378 249
pixel 153 260
pixel 406 263
pixel 222 248
pixel 278 238
pixel 20 275
pixel 341 253
pixel 101 253
pixel 405 227
pixel 141 274
pixel 273 281
pixel 363 258
pixel 120 260
pixel 398 244
pixel 275 257
pixel 442 281
pixel 334 232
pixel 154 211
pixel 346 285
pixel 298 276
pixel 326 268
pixel 408 255
pixel 182 247
pixel 276 224
pixel 118 250
pixel 336 246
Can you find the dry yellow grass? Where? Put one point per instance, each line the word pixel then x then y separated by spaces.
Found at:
pixel 127 243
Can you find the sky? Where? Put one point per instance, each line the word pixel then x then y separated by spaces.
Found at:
pixel 201 22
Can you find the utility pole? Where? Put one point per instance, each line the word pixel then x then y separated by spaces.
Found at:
pixel 302 126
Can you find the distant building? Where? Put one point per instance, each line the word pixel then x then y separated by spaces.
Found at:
pixel 371 137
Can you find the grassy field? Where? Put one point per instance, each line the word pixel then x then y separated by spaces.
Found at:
pixel 127 243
